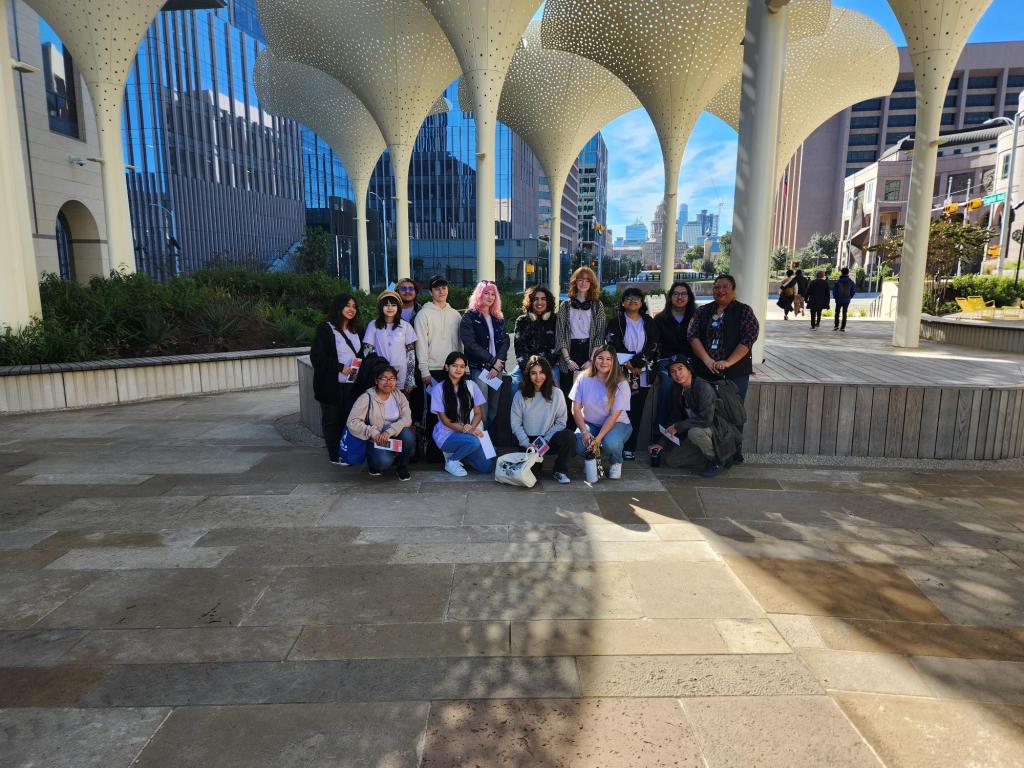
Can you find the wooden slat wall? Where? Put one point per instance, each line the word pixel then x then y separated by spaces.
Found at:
pixel 993 337
pixel 885 421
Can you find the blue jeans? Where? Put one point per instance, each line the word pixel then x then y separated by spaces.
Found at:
pixel 378 460
pixel 466 448
pixel 493 396
pixel 517 379
pixel 612 445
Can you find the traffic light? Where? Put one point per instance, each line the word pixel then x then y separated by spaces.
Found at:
pixel 530 269
pixel 975 204
pixel 993 251
pixel 951 209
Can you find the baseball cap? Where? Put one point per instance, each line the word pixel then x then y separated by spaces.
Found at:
pixel 437 281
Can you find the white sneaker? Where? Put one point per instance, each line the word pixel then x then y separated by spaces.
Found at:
pixel 615 472
pixel 455 468
pixel 562 478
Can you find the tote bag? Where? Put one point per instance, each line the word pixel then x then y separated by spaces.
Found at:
pixel 351 449
pixel 516 469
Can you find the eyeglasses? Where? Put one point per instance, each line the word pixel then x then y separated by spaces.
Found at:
pixel 387 379
pixel 679 294
pixel 407 289
pixel 632 300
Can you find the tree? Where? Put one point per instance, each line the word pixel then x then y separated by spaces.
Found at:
pixel 314 252
pixel 693 254
pixel 949 242
pixel 820 249
pixel 725 243
pixel 780 259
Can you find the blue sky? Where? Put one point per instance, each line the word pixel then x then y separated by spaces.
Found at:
pixel 635 177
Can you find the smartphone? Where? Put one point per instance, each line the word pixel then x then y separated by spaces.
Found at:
pixel 541 446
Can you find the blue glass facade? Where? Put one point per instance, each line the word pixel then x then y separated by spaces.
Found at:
pixel 593 205
pixel 442 195
pixel 212 177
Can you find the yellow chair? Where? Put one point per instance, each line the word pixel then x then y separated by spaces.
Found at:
pixel 985 309
pixel 965 307
pixel 1012 311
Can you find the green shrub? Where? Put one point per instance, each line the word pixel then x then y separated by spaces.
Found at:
pixel 999 289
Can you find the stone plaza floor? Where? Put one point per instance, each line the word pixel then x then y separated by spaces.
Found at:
pixel 182 586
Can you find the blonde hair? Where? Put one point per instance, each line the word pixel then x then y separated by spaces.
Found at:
pixel 595 289
pixel 615 376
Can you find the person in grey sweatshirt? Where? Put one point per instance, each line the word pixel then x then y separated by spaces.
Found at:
pixel 539 411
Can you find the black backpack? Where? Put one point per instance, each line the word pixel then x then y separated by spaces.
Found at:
pixel 367 375
pixel 730 404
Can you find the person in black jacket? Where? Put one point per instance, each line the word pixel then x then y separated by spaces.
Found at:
pixel 485 342
pixel 335 346
pixel 673 322
pixel 535 333
pixel 801 293
pixel 819 296
pixel 633 332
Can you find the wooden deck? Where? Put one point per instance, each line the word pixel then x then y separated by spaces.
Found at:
pixel 852 394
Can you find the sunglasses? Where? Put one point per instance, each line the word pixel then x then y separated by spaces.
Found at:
pixel 406 289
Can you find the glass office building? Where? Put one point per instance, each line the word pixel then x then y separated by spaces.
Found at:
pixel 593 205
pixel 212 177
pixel 442 200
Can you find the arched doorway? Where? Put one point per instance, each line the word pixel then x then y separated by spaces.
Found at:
pixel 79 249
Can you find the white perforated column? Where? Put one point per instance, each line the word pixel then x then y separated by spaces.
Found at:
pixel 19 287
pixel 120 243
pixel 486 116
pixel 557 187
pixel 673 161
pixel 401 156
pixel 360 187
pixel 764 56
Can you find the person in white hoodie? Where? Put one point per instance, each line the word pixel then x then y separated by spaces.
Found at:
pixel 539 411
pixel 437 333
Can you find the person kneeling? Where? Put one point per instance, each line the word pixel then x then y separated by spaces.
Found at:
pixel 459 405
pixel 381 415
pixel 706 440
pixel 539 412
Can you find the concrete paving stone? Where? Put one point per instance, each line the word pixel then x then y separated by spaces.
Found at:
pixel 988 598
pixel 359 680
pixel 638 508
pixel 771 549
pixel 74 539
pixel 140 558
pixel 954 477
pixel 76 738
pixel 527 591
pixel 627 484
pixel 163 598
pixel 207 644
pixel 518 552
pixel 149 458
pixel 776 732
pixel 612 733
pixel 584 531
pixel 122 514
pixel 235 434
pixel 751 636
pixel 871 533
pixel 865 672
pixel 22 539
pixel 1015 557
pixel 386 641
pixel 26 559
pixel 27 596
pixel 686 676
pixel 47 686
pixel 1003 540
pixel 910 732
pixel 679 531
pixel 23 513
pixel 235 489
pixel 636 551
pixel 913 639
pixel 502 508
pixel 729 480
pixel 87 478
pixel 281 537
pixel 466 534
pixel 845 590
pixel 896 554
pixel 994 682
pixel 303 547
pixel 759 530
pixel 384 735
pixel 798 631
pixel 36 648
pixel 361 510
pixel 616 637
pixel 690 591
pixel 356 594
pixel 259 511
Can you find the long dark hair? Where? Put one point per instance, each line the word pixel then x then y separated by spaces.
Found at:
pixel 381 321
pixel 526 386
pixel 338 320
pixel 691 301
pixel 532 292
pixel 458 403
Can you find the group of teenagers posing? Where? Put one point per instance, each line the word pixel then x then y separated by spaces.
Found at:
pixel 435 367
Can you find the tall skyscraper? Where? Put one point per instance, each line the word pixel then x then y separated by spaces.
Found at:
pixel 212 176
pixel 708 223
pixel 570 236
pixel 593 207
pixel 692 234
pixel 636 232
pixel 683 219
pixel 987 82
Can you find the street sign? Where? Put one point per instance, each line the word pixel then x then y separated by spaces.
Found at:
pixel 993 199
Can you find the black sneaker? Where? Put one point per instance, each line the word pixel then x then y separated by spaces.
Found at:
pixel 373 472
pixel 338 463
pixel 711 470
pixel 403 474
pixel 738 458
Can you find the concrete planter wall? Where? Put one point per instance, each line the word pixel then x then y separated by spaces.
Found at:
pixel 33 388
pixel 981 334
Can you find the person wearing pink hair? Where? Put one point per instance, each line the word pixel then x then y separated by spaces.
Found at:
pixel 484 340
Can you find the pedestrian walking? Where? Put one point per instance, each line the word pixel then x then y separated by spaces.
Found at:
pixel 800 300
pixel 843 292
pixel 787 294
pixel 819 294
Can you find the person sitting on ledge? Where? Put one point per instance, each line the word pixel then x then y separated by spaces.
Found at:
pixel 538 410
pixel 708 437
pixel 380 415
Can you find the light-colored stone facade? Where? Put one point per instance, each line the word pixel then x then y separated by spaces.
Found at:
pixel 56 184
